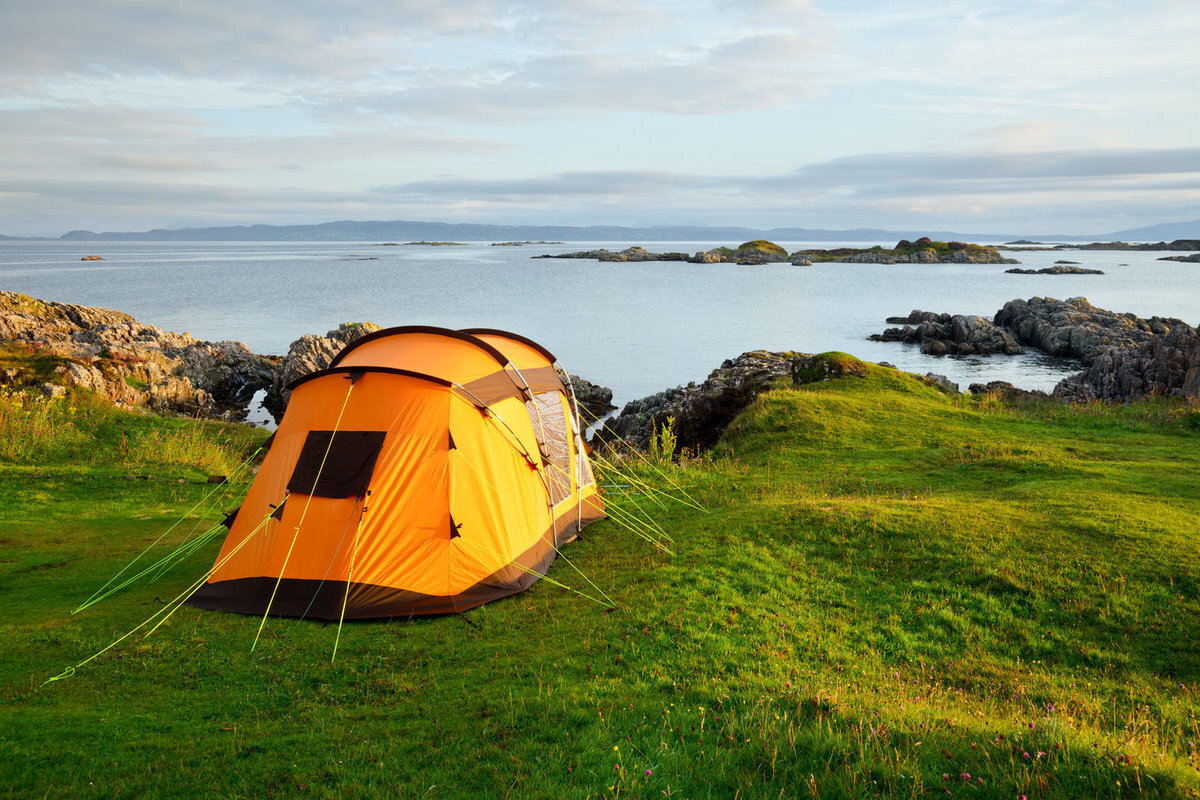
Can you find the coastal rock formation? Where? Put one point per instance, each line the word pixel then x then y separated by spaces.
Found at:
pixel 628 254
pixel 922 251
pixel 1161 365
pixel 944 334
pixel 308 354
pixel 1124 356
pixel 594 401
pixel 1074 328
pixel 703 412
pixel 1006 390
pixel 1056 270
pixel 1194 258
pixel 133 363
pixel 759 251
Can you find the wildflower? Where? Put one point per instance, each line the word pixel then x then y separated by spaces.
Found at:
pixel 647 773
pixel 1024 754
pixel 1031 726
pixel 1041 753
pixel 945 776
pixel 1050 708
pixel 965 776
pixel 617 767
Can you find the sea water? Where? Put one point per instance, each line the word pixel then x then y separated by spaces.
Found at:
pixel 636 327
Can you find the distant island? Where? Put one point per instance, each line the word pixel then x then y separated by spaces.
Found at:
pixel 406 230
pixel 421 244
pixel 1178 244
pixel 761 251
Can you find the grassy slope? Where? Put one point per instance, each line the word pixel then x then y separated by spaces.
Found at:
pixel 889 586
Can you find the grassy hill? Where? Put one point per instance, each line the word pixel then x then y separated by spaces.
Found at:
pixel 892 592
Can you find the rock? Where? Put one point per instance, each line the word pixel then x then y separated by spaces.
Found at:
pixel 1194 258
pixel 1074 328
pixel 759 251
pixel 1162 365
pixel 1124 356
pixel 940 382
pixel 1005 390
pixel 944 334
pixel 628 254
pixel 132 363
pixel 922 251
pixel 309 354
pixel 801 261
pixel 91 258
pixel 1059 270
pixel 703 412
pixel 594 401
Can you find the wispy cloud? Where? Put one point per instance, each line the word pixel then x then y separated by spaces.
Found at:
pixel 701 109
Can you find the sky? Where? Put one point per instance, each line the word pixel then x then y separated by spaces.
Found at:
pixel 1026 116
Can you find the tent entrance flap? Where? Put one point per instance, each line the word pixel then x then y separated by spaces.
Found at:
pixel 336 465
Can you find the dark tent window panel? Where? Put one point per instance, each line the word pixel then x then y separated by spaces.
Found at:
pixel 347 467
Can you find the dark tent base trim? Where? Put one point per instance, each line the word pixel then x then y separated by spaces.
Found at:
pixel 324 600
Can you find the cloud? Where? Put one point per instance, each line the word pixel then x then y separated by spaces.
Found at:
pixel 619 183
pixel 956 168
pixel 867 189
pixel 100 141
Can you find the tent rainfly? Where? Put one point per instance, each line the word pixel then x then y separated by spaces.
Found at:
pixel 425 471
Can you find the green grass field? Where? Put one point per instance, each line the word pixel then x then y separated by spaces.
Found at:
pixel 891 592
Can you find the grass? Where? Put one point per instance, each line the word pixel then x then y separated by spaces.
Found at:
pixel 893 593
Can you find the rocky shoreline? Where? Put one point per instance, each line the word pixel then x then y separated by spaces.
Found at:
pixel 1124 357
pixel 134 364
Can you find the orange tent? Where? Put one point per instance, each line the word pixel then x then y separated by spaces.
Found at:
pixel 425 471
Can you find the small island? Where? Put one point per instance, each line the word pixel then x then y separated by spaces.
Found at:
pixel 1059 269
pixel 760 251
pixel 421 244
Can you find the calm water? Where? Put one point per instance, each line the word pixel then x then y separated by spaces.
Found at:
pixel 638 328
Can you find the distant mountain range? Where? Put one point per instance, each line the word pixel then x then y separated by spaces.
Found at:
pixel 400 230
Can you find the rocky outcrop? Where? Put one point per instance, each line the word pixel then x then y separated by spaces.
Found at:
pixel 1056 270
pixel 701 413
pixel 1074 328
pixel 1159 366
pixel 922 251
pixel 1007 391
pixel 1194 258
pixel 945 334
pixel 628 254
pixel 309 354
pixel 134 363
pixel 1125 357
pixel 594 401
pixel 759 251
